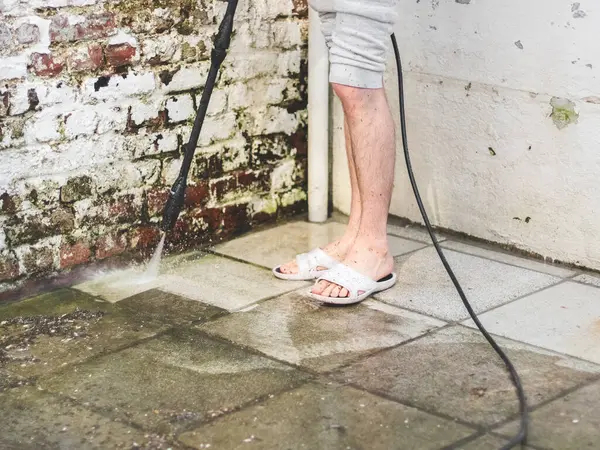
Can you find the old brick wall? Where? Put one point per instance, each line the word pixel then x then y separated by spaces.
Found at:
pixel 97 98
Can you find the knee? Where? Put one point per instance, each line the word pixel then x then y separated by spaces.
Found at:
pixel 347 94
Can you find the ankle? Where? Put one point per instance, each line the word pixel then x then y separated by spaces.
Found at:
pixel 373 244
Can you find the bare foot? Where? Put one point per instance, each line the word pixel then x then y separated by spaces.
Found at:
pixel 372 259
pixel 337 250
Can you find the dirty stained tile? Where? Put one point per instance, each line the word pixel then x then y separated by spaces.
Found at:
pixel 9 380
pixel 34 420
pixel 455 372
pixel 588 279
pixel 158 306
pixel 41 334
pixel 425 287
pixel 165 383
pixel 415 233
pixel 568 423
pixel 509 259
pixel 564 318
pixel 221 282
pixel 485 442
pixel 270 248
pixel 295 329
pixel 326 416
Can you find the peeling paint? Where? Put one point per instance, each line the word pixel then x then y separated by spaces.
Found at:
pixel 464 2
pixel 577 13
pixel 563 112
pixel 519 45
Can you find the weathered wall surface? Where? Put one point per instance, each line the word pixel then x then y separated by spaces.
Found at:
pixel 503 105
pixel 97 98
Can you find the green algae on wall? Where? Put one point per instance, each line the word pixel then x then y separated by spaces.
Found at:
pixel 563 112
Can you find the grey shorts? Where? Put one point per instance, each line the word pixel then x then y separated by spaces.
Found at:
pixel 357 33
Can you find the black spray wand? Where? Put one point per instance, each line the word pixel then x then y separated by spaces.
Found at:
pixel 221 45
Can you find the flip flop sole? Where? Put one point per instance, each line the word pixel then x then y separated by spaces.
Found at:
pixel 382 285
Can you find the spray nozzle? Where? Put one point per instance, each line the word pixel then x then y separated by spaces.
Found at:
pixel 174 204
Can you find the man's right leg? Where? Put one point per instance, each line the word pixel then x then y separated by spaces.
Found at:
pixel 338 249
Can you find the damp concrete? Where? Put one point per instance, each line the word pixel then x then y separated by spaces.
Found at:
pixel 217 353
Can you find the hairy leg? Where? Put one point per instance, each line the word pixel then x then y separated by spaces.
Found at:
pixel 339 249
pixel 372 133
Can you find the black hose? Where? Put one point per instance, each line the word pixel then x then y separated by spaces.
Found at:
pixel 521 437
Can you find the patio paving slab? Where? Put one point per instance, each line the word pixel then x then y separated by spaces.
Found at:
pixel 328 417
pixel 485 442
pixel 9 380
pixel 225 283
pixel 275 246
pixel 456 373
pixel 507 258
pixel 565 318
pixel 41 334
pixel 588 279
pixel 424 285
pixel 569 423
pixel 177 378
pixel 415 233
pixel 295 329
pixel 35 420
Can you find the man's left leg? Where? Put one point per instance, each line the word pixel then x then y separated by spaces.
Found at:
pixel 360 41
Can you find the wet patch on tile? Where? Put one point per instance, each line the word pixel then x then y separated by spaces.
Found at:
pixel 327 416
pixel 34 420
pixel 11 381
pixel 565 318
pixel 503 257
pixel 569 423
pixel 43 333
pixel 295 329
pixel 225 283
pixel 159 306
pixel 424 285
pixel 456 373
pixel 173 380
pixel 116 285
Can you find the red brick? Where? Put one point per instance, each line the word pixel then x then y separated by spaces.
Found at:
pixel 235 219
pixel 44 65
pixel 89 59
pixel 74 255
pixel 219 188
pixel 120 55
pixel 38 260
pixel 212 217
pixel 9 267
pixel 111 245
pixel 145 237
pixel 124 208
pixel 197 195
pixel 93 27
pixel 157 198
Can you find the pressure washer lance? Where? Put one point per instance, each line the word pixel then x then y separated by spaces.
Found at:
pixel 222 40
pixel 177 195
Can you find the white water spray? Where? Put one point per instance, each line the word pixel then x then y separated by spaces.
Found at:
pixel 153 268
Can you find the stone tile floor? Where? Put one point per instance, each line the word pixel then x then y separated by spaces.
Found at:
pixel 217 353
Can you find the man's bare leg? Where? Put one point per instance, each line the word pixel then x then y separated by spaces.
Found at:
pixel 372 134
pixel 339 249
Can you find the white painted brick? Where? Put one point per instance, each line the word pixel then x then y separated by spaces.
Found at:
pixel 259 91
pixel 282 177
pixel 251 65
pixel 165 47
pixel 270 9
pixel 289 63
pixel 82 122
pixel 188 78
pixel 217 128
pixel 144 144
pixel 273 120
pixel 45 128
pixel 123 38
pixel 218 102
pixel 146 109
pixel 13 67
pixel 286 34
pixel 180 108
pixel 111 118
pixel 118 86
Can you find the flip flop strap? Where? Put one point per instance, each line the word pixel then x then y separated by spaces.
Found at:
pixel 350 279
pixel 308 262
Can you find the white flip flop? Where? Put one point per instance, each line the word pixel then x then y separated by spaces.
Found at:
pixel 354 282
pixel 307 266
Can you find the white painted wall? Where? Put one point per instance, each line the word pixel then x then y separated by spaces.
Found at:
pixel 470 87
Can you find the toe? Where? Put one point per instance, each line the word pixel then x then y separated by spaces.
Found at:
pixel 327 291
pixel 335 292
pixel 344 293
pixel 319 287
